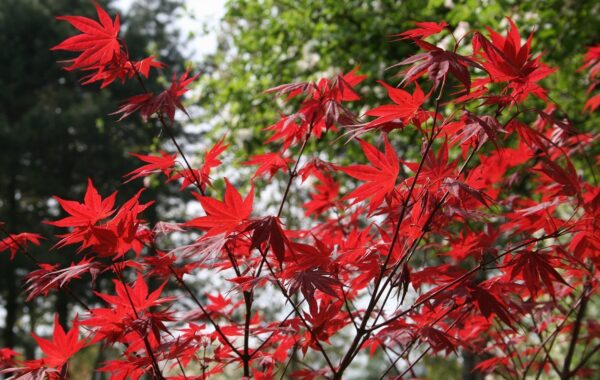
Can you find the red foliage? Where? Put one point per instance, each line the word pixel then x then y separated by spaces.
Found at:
pixel 492 230
pixel 98 42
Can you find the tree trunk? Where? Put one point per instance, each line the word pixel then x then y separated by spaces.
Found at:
pixel 62 309
pixel 470 360
pixel 8 334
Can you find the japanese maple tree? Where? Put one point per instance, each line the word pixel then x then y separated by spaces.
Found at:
pixel 482 237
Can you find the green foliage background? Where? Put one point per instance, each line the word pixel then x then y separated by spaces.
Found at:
pixel 264 43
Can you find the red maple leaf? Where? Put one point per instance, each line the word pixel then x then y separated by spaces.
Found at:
pixel 92 210
pixel 435 168
pixel 591 61
pixel 165 102
pixel 325 197
pixel 48 277
pixel 489 304
pixel 325 320
pixel 113 237
pixel 218 303
pixel 321 108
pixel 592 103
pixel 535 266
pixel 268 163
pixel 211 160
pixel 592 64
pixel 308 281
pixel 131 313
pixel 7 358
pixel 340 88
pixel 380 175
pixel 121 67
pixel 133 367
pixel 123 232
pixel 268 229
pixel 15 242
pixel 478 129
pixel 424 29
pixel 98 42
pixel 290 129
pixel 506 60
pixel 137 295
pixel 168 100
pixel 142 103
pixel 62 346
pixel 223 216
pixel 404 109
pixel 490 365
pixel 438 340
pixel 437 63
pixel 459 189
pixel 155 164
pixel 565 180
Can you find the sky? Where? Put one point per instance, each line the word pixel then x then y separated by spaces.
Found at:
pixel 197 13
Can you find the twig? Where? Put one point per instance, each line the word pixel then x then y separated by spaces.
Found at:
pixel 149 351
pixel 299 314
pixel 37 262
pixel 565 374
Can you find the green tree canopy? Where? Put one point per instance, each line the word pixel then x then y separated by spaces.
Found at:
pixel 264 43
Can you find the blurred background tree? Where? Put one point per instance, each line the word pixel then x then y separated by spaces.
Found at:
pixel 54 133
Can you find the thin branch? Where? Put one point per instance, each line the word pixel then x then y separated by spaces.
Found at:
pixel 283 322
pixel 210 319
pixel 566 374
pixel 584 360
pixel 37 262
pixel 462 278
pixel 249 296
pixel 149 351
pixel 294 171
pixel 246 357
pixel 289 361
pixel 464 313
pixel 546 350
pixel 169 133
pixel 356 343
pixel 299 314
pixel 198 184
pixel 552 336
pixel 292 174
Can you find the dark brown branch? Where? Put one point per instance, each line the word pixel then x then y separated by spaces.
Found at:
pixel 299 314
pixel 210 319
pixel 566 372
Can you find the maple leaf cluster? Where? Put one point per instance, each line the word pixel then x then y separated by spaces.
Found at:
pixel 106 56
pixel 482 238
pixel 592 65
